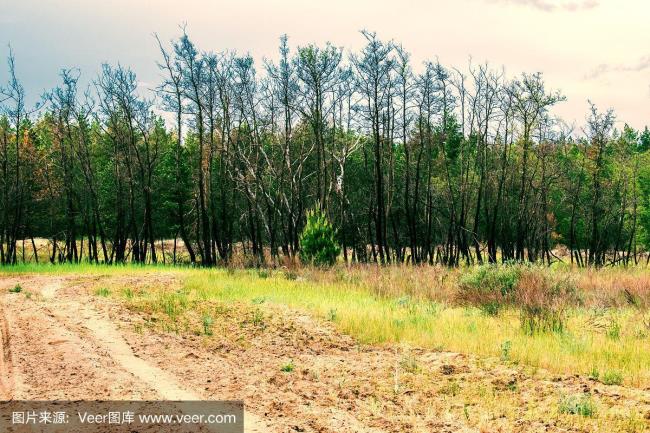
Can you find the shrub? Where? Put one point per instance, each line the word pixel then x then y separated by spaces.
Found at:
pixel 318 244
pixel 543 299
pixel 489 287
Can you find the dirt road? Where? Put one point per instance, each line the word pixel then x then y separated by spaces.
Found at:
pixel 60 347
pixel 62 341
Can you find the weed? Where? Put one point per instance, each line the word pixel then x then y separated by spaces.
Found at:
pixel 408 304
pixel 581 405
pixel 633 423
pixel 128 293
pixel 451 388
pixel 16 289
pixel 645 321
pixel 290 275
pixel 612 378
pixel 614 330
pixel 173 304
pixel 288 367
pixel 433 308
pixel 632 298
pixel 28 295
pixel 104 292
pixel 403 302
pixel 207 324
pixel 258 318
pixel 259 300
pixel 409 364
pixel 505 350
pixel 263 273
pixel 331 314
pixel 491 308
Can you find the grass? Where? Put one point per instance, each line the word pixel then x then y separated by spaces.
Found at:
pixel 103 292
pixel 86 269
pixel 602 332
pixel 612 378
pixel 288 367
pixel 581 348
pixel 581 405
pixel 207 322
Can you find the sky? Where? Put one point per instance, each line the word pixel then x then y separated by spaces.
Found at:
pixel 596 50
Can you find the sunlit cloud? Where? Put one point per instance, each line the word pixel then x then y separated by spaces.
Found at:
pixel 554 5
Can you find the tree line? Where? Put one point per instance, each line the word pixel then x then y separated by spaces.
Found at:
pixel 226 157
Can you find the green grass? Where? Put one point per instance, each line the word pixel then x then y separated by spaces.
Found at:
pixel 85 268
pixel 288 367
pixel 375 319
pixel 581 405
pixel 392 306
pixel 103 291
pixel 612 378
pixel 207 322
pixel 16 289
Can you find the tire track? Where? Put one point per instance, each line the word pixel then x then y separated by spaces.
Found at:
pixel 68 349
pixel 6 376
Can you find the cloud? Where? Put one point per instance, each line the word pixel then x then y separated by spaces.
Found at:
pixel 605 68
pixel 554 5
pixel 642 65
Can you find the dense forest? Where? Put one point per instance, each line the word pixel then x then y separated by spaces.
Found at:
pixel 225 158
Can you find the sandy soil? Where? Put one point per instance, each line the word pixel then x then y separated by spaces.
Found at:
pixel 63 342
pixel 58 346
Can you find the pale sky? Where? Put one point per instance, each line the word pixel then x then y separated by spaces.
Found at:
pixel 588 49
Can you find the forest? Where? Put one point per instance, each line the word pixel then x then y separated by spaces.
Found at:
pixel 225 157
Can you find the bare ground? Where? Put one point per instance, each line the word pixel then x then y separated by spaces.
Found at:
pixel 59 341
